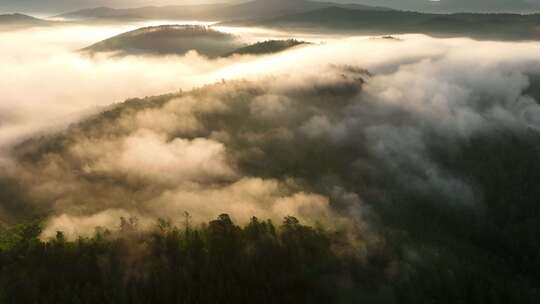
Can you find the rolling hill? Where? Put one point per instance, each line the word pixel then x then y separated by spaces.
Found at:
pixel 180 39
pixel 168 40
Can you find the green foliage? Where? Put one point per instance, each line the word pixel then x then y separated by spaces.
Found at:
pixel 216 263
pixel 221 262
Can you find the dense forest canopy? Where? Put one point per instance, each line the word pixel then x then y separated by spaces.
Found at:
pixel 220 261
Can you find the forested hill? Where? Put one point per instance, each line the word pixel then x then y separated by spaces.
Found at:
pixel 168 39
pixel 397 244
pixel 180 39
pixel 479 26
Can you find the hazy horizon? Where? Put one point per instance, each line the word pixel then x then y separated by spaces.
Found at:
pixel 61 6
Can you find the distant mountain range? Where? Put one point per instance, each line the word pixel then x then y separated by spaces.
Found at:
pixel 15 21
pixel 218 12
pixel 315 16
pixel 478 26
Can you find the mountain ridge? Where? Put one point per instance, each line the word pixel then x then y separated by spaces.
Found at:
pixel 248 10
pixel 498 26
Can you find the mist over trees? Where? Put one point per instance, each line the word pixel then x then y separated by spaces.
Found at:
pixel 412 209
pixel 393 169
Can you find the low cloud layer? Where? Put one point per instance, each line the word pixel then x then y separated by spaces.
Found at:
pixel 48 84
pixel 342 133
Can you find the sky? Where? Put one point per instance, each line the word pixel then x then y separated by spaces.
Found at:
pixel 60 6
